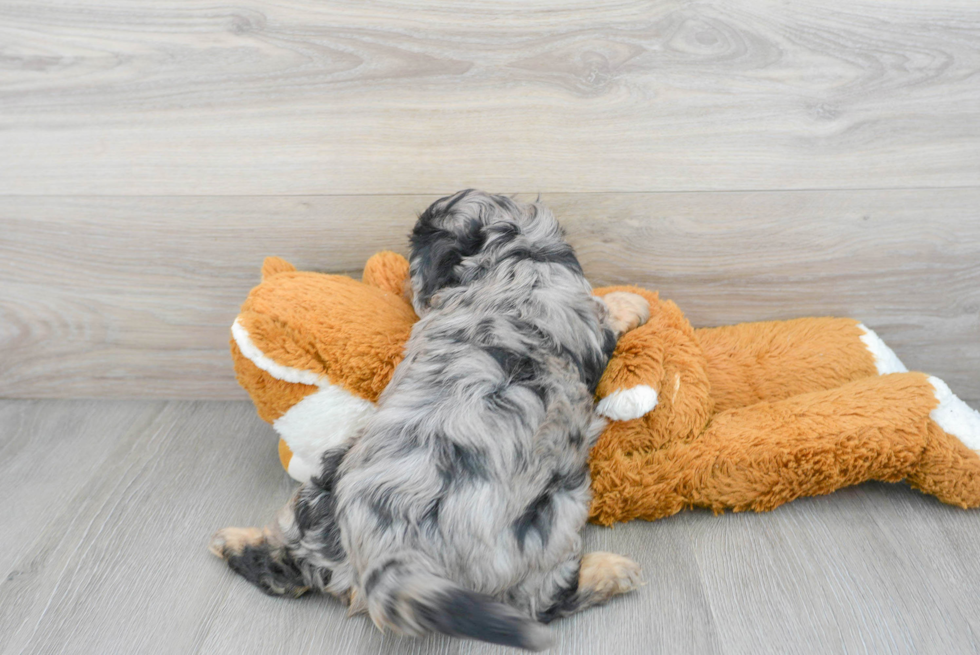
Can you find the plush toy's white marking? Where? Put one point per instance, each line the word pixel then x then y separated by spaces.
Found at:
pixel 954 416
pixel 278 371
pixel 301 470
pixel 320 421
pixel 886 360
pixel 627 404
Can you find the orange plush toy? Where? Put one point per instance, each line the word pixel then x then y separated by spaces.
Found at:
pixel 742 417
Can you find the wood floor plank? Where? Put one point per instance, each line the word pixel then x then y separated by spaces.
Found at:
pixel 125 565
pixel 133 297
pixel 301 97
pixel 934 549
pixel 838 579
pixel 48 452
pixel 669 614
pixel 126 569
pixel 120 563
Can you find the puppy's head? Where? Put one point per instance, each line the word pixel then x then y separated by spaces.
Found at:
pixel 448 232
pixel 462 236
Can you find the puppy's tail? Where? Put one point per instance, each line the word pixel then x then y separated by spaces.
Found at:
pixel 404 593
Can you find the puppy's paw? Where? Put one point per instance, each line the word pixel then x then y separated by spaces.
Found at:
pixel 626 310
pixel 606 575
pixel 230 542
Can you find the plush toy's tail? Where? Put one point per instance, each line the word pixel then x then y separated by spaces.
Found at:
pixel 403 594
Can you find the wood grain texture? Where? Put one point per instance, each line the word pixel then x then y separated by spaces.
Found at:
pixel 124 566
pixel 133 297
pixel 46 458
pixel 115 559
pixel 301 97
pixel 884 583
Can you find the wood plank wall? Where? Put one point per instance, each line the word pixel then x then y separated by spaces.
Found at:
pixel 750 159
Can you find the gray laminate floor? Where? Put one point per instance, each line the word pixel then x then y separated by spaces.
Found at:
pixel 106 506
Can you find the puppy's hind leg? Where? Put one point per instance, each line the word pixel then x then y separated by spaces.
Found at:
pixel 262 556
pixel 600 576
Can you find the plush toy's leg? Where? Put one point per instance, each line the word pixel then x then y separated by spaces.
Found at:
pixel 752 362
pixel 948 468
pixel 886 428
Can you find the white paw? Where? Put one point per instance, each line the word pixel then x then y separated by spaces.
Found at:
pixel 627 404
pixel 954 416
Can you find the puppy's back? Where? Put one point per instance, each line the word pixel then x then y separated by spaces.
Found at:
pixel 473 469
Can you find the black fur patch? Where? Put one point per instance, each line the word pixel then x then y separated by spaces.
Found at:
pixel 562 255
pixel 459 335
pixel 592 366
pixel 502 233
pixel 519 369
pixel 459 463
pixel 391 611
pixel 409 441
pixel 485 330
pixel 537 338
pixel 516 366
pixel 540 513
pixel 430 517
pixel 273 575
pixel 538 516
pixel 608 342
pixel 575 480
pixel 375 576
pixel 464 613
pixel 500 401
pixel 380 504
pixel 436 251
pixel 316 508
pixel 565 601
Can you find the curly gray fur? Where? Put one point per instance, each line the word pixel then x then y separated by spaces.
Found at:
pixel 458 507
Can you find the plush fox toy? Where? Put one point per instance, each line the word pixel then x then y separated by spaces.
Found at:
pixel 742 417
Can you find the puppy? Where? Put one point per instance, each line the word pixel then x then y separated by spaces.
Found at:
pixel 457 508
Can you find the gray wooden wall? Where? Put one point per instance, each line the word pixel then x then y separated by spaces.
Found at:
pixel 750 159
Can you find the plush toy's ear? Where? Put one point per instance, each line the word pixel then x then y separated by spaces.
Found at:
pixel 275 265
pixel 388 271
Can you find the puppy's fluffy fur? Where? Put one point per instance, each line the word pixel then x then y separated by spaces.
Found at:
pixel 458 507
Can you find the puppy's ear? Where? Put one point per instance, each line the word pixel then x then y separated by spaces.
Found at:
pixel 442 238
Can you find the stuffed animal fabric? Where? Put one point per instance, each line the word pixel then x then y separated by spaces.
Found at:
pixel 743 417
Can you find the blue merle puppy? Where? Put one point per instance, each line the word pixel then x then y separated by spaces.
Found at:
pixel 457 508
